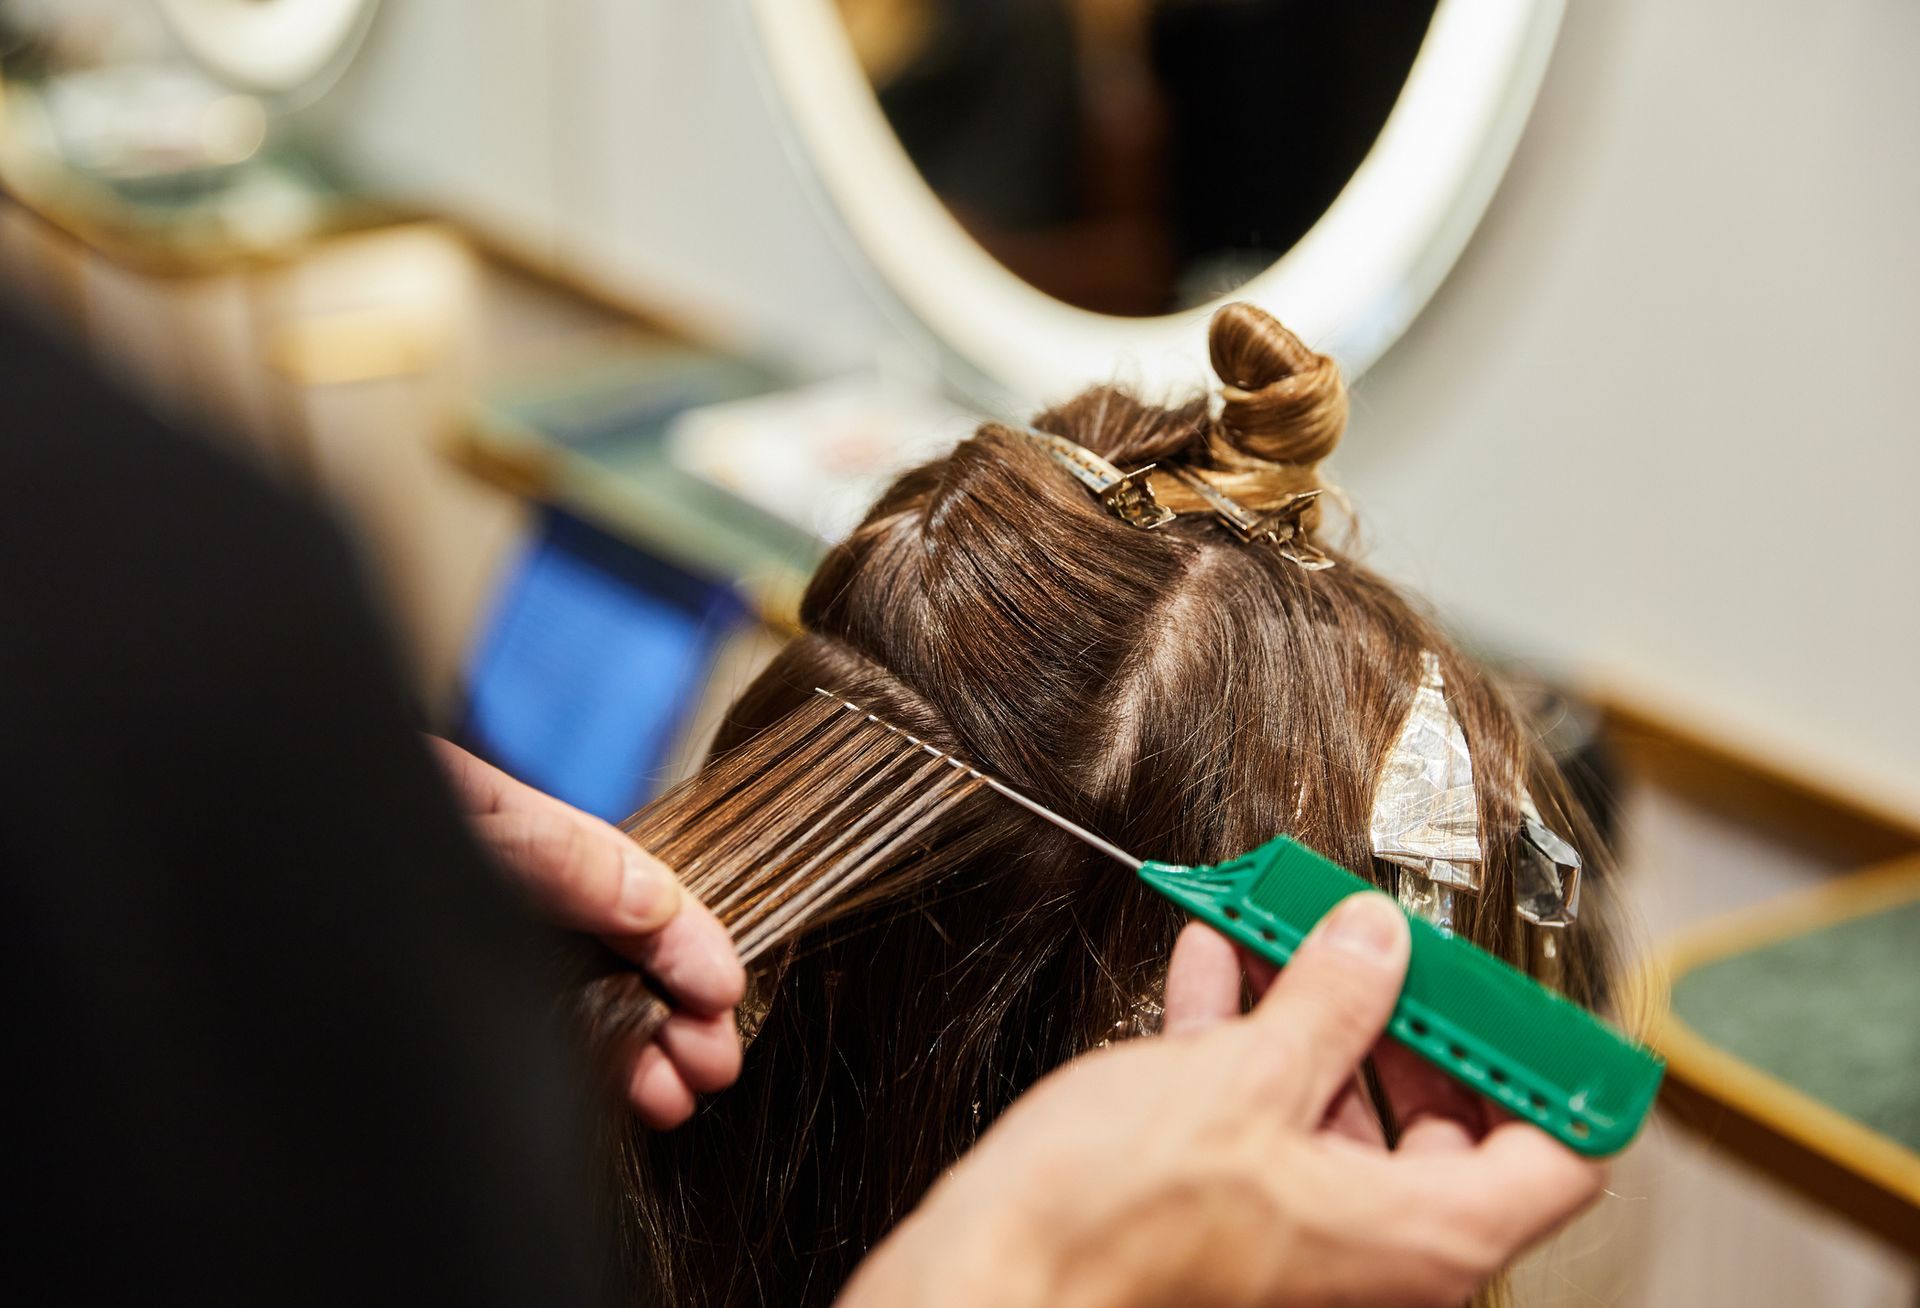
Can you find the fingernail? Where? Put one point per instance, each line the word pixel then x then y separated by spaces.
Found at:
pixel 649 895
pixel 1367 925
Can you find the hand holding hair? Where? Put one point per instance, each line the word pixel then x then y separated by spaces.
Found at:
pixel 1218 1165
pixel 584 874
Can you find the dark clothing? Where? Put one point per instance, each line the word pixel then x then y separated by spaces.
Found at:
pixel 274 1033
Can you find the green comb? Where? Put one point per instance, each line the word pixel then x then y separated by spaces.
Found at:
pixel 1479 1020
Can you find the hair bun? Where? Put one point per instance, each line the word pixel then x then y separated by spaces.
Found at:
pixel 1284 403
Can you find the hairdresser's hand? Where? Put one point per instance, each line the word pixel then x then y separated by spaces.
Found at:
pixel 585 874
pixel 1218 1164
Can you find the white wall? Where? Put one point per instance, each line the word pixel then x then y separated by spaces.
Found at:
pixel 1660 422
pixel 629 140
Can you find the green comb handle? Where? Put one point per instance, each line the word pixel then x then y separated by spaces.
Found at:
pixel 1540 1056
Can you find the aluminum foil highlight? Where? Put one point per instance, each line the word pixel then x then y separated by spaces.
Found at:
pixel 1426 899
pixel 1426 813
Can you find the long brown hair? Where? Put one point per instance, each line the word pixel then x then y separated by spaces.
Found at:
pixel 1181 690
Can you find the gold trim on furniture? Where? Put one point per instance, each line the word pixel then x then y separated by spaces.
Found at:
pixel 1739 1109
pixel 1852 817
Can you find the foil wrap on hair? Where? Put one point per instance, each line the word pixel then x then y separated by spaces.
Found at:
pixel 1547 878
pixel 1426 813
pixel 1426 899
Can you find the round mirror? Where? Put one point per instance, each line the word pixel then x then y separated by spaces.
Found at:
pixel 1057 188
pixel 1133 157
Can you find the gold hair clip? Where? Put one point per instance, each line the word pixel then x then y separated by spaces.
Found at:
pixel 1126 494
pixel 1281 525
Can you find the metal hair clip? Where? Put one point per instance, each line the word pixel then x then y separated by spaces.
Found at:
pixel 1126 494
pixel 1547 882
pixel 1426 812
pixel 1280 525
pixel 1546 893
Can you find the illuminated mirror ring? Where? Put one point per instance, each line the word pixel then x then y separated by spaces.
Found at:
pixel 1349 287
pixel 269 46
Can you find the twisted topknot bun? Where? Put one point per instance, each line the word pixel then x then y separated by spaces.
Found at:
pixel 1284 410
pixel 1284 403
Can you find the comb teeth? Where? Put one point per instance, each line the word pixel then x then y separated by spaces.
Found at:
pixel 848 706
pixel 1039 810
pixel 775 844
pixel 779 837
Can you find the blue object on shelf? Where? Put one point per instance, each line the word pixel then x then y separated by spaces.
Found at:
pixel 594 654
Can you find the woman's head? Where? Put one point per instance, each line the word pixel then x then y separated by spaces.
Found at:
pixel 1184 691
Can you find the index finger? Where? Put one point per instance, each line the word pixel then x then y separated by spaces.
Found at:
pixel 588 875
pixel 692 957
pixel 478 785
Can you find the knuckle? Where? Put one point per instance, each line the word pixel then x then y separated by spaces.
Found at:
pixel 1450 1246
pixel 561 864
pixel 567 866
pixel 1471 1250
pixel 515 842
pixel 1445 1277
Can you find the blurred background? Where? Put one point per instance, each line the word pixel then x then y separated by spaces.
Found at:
pixel 599 320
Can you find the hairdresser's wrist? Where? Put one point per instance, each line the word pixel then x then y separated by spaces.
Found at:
pixel 1012 1260
pixel 954 1252
pixel 1020 1239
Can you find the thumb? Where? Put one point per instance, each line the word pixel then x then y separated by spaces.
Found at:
pixel 1334 997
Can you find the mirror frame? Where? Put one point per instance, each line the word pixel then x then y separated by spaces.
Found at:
pixel 274 48
pixel 1350 287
